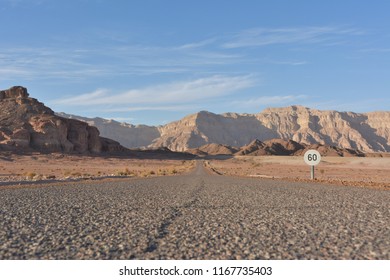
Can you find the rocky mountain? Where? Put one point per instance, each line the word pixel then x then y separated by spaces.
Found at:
pixel 28 125
pixel 130 136
pixel 273 147
pixel 368 132
pixel 213 149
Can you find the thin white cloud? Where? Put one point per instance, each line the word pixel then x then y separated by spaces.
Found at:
pixel 180 92
pixel 258 37
pixel 359 106
pixel 46 63
pixel 85 63
pixel 120 60
pixel 8 72
pixel 176 108
pixel 196 45
pixel 269 100
pixel 375 50
pixel 288 62
pixel 83 98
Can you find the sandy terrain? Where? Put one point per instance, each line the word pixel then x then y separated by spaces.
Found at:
pixel 354 171
pixel 37 167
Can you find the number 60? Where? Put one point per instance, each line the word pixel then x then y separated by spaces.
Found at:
pixel 312 157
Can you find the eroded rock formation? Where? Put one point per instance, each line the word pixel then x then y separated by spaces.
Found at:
pixel 27 124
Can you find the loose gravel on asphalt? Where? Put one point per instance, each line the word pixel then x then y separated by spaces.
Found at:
pixel 195 216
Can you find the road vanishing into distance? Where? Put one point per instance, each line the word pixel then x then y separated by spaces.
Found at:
pixel 194 216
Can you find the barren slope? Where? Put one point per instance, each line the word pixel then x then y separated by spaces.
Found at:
pixel 368 132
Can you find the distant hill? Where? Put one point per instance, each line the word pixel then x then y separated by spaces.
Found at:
pixel 271 147
pixel 214 149
pixel 369 132
pixel 130 136
pixel 274 147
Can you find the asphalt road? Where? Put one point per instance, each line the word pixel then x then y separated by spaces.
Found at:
pixel 196 216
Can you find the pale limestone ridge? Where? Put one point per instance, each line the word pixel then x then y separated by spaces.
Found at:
pixel 130 136
pixel 204 128
pixel 369 132
pixel 366 132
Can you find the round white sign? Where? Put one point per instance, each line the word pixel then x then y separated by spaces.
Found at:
pixel 312 157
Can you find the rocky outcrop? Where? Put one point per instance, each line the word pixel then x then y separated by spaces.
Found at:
pixel 130 136
pixel 254 148
pixel 368 132
pixel 27 124
pixel 273 147
pixel 214 149
pixel 205 128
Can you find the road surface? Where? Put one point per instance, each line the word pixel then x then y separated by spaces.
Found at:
pixel 194 216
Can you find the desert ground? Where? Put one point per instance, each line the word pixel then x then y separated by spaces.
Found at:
pixel 351 171
pixel 38 167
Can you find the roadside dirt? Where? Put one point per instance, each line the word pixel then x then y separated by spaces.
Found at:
pixel 351 171
pixel 348 171
pixel 39 167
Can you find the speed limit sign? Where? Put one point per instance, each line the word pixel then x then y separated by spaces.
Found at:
pixel 312 157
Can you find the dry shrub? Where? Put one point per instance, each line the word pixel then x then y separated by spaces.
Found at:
pixel 30 175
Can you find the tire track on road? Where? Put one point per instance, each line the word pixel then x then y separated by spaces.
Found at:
pixel 176 212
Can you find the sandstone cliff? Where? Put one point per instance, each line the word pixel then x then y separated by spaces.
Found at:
pixel 205 128
pixel 28 125
pixel 368 132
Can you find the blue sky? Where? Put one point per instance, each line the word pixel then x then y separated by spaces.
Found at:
pixel 152 62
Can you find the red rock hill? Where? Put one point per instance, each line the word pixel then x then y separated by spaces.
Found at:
pixel 28 125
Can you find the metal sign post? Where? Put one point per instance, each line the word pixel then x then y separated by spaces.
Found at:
pixel 312 158
pixel 312 172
